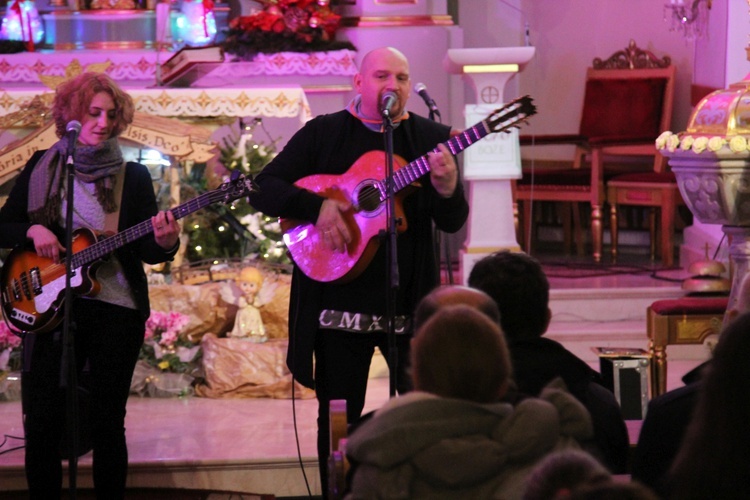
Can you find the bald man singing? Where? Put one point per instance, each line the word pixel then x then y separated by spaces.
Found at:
pixel 334 326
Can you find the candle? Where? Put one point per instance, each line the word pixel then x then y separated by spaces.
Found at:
pixel 163 23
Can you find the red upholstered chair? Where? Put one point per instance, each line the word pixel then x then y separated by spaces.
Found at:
pixel 627 104
pixel 687 320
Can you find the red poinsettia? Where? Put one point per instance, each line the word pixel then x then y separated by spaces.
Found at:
pixel 285 25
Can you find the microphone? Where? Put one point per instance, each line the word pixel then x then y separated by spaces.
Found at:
pixel 387 101
pixel 421 89
pixel 71 133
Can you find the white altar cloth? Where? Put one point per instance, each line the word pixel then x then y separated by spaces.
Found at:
pixel 280 102
pixel 140 65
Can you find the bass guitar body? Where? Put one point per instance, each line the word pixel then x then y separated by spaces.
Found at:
pixel 34 286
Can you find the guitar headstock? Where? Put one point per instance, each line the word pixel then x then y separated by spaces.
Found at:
pixel 238 186
pixel 515 111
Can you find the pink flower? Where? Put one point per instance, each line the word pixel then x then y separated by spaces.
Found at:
pixel 8 338
pixel 168 338
pixel 165 327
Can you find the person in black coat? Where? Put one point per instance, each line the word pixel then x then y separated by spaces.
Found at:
pixel 712 459
pixel 520 288
pixel 338 323
pixel 108 325
pixel 663 431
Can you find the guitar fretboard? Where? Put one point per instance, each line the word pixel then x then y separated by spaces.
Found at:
pixel 112 243
pixel 419 167
pixel 411 172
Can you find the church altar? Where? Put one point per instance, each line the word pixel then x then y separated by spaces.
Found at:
pixel 270 86
pixel 140 65
pixel 281 101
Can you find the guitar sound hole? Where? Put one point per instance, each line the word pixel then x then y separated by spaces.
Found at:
pixel 369 198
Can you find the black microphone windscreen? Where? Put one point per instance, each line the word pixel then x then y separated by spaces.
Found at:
pixel 73 126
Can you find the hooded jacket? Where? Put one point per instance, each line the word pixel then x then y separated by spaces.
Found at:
pixel 424 446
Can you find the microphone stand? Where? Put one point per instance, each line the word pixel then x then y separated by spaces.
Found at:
pixel 392 274
pixel 435 116
pixel 68 367
pixel 433 113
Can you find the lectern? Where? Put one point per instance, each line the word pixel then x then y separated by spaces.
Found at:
pixel 490 164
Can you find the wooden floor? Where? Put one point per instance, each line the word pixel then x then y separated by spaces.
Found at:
pixel 265 446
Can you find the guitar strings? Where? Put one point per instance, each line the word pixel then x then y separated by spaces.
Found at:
pixel 422 165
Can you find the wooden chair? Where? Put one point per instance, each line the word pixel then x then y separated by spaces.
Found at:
pixel 657 190
pixel 627 104
pixel 687 320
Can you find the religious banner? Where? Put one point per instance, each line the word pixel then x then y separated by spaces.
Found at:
pixel 15 155
pixel 162 141
pixel 168 136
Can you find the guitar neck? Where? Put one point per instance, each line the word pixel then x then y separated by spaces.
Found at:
pixel 112 243
pixel 411 172
pixel 501 120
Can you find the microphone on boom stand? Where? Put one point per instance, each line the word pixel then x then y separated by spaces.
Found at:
pixel 421 89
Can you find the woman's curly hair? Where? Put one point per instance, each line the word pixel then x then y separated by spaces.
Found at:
pixel 74 96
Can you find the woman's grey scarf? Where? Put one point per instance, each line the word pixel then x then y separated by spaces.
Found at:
pixel 97 164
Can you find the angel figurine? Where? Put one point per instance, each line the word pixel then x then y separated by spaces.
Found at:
pixel 248 323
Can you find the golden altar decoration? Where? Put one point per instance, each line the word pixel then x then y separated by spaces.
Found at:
pixel 711 162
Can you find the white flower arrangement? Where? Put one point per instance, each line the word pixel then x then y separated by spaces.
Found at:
pixel 716 143
pixel 700 144
pixel 672 142
pixel 738 144
pixel 687 142
pixel 661 141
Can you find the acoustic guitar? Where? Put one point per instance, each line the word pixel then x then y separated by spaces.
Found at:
pixel 364 186
pixel 33 287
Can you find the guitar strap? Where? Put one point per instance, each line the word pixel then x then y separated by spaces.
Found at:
pixel 111 220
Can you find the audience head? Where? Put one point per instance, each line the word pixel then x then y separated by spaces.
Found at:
pixel 560 473
pixel 712 461
pixel 460 353
pixel 451 295
pixel 519 287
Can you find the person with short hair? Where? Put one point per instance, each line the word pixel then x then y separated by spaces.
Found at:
pixel 452 437
pixel 520 288
pixel 447 295
pixel 559 474
pixel 339 323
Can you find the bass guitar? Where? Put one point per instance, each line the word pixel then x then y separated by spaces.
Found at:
pixel 33 287
pixel 364 186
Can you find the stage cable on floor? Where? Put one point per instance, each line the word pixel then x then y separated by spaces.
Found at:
pixel 6 437
pixel 294 404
